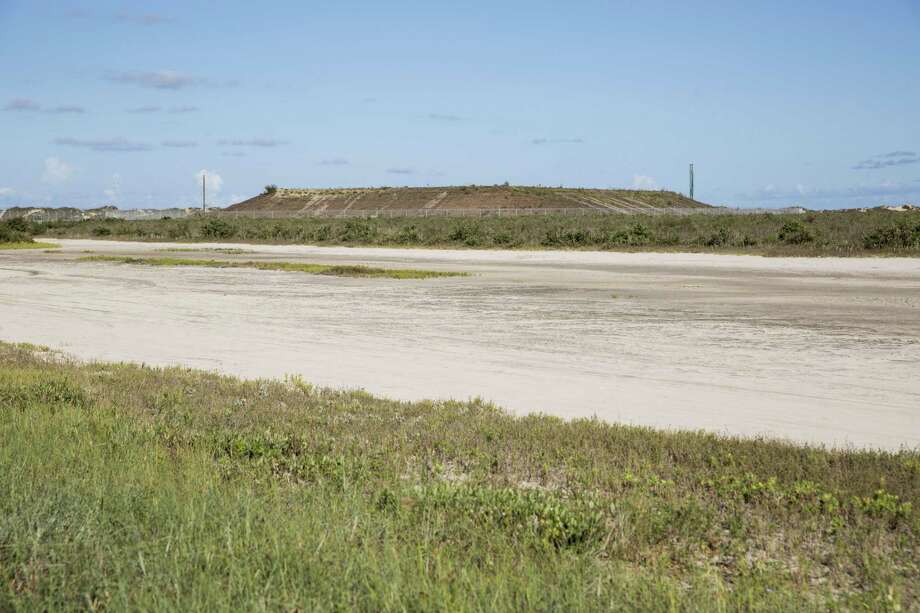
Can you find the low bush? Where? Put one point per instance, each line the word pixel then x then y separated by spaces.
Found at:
pixel 15 231
pixel 217 228
pixel 795 233
pixel 898 236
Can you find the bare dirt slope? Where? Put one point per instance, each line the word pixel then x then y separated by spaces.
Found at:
pixel 466 197
pixel 821 350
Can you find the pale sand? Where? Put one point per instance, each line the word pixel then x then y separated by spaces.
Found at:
pixel 818 350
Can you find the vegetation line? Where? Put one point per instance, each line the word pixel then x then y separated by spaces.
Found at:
pixel 28 245
pixel 828 233
pixel 315 269
pixel 127 487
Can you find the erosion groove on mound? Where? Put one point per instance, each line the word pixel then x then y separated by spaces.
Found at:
pixel 337 270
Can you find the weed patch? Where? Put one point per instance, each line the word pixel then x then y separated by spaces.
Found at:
pixel 315 269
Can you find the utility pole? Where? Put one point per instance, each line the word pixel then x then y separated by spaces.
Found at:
pixel 691 180
pixel 204 206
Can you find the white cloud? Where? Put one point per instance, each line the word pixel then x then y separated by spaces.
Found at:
pixel 644 182
pixel 6 191
pixel 213 181
pixel 114 192
pixel 56 171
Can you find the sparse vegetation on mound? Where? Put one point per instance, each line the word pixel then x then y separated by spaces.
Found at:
pixel 126 487
pixel 338 270
pixel 825 233
pixel 275 198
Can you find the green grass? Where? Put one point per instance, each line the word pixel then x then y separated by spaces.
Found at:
pixel 830 233
pixel 315 269
pixel 28 245
pixel 127 487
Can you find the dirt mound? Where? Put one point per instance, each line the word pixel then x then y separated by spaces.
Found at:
pixel 467 197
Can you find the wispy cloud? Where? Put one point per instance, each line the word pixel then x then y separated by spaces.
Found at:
pixel 444 117
pixel 56 171
pixel 6 192
pixel 888 189
pixel 31 106
pixel 145 109
pixel 252 142
pixel 161 79
pixel 400 171
pixel 179 144
pixel 233 154
pixel 333 162
pixel 117 144
pixel 78 13
pixel 887 160
pixel 213 180
pixel 67 108
pixel 144 19
pixel 22 104
pixel 156 109
pixel 126 17
pixel 644 182
pixel 556 141
pixel 898 154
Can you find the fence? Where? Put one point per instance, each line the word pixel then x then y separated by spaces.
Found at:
pixel 48 215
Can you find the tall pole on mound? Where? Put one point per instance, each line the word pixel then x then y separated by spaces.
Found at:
pixel 691 180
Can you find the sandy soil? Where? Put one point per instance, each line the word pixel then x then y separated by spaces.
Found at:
pixel 814 350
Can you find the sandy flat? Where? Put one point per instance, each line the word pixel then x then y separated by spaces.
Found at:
pixel 818 350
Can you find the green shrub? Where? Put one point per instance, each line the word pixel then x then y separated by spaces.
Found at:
pixel 544 517
pixel 18 224
pixel 357 231
pixel 468 234
pixel 217 228
pixel 795 233
pixel 102 231
pixel 719 238
pixel 569 238
pixel 408 235
pixel 635 235
pixel 901 235
pixel 9 234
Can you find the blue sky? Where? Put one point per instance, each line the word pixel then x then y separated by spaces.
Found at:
pixel 776 103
